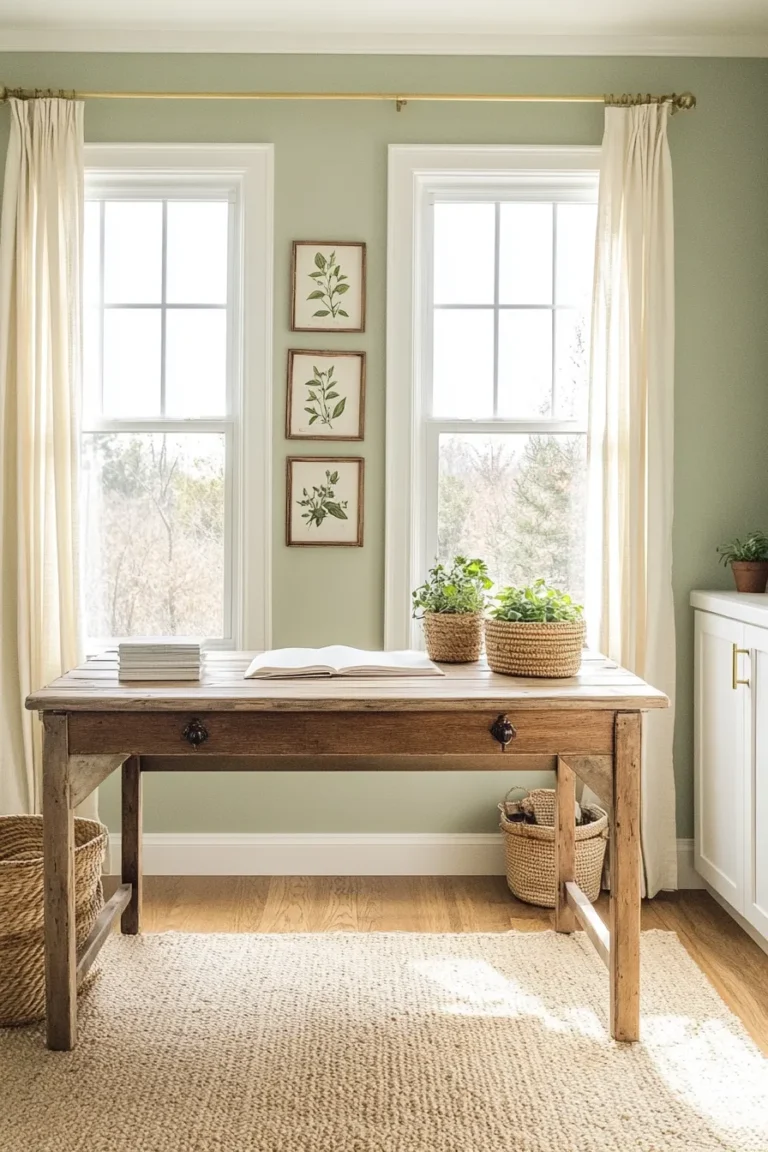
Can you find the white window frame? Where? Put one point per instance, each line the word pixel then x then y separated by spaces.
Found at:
pixel 418 176
pixel 244 175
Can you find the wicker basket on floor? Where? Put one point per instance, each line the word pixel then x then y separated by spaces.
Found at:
pixel 22 961
pixel 530 649
pixel 530 850
pixel 453 637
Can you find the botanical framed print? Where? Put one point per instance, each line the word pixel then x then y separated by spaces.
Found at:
pixel 325 395
pixel 328 286
pixel 324 501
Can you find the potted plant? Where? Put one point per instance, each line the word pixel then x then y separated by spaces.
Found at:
pixel 451 603
pixel 748 559
pixel 535 631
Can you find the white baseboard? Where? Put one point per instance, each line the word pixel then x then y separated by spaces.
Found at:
pixel 687 876
pixel 336 854
pixel 318 854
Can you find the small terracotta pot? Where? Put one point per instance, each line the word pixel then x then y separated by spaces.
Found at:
pixel 750 575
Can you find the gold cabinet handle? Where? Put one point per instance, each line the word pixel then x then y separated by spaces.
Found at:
pixel 735 666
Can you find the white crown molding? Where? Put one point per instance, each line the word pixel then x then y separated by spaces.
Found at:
pixel 335 854
pixel 249 41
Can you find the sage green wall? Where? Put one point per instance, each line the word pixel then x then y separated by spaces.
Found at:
pixel 331 174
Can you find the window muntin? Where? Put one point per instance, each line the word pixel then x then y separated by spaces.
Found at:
pixel 160 412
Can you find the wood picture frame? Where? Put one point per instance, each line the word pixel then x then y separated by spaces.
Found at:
pixel 340 303
pixel 340 376
pixel 314 483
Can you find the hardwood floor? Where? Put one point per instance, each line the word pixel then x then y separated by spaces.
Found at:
pixel 733 963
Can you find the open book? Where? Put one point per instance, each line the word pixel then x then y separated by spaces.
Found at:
pixel 338 660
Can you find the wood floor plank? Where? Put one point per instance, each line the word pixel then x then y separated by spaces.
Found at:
pixel 734 964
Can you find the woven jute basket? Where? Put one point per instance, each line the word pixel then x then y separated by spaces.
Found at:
pixel 530 850
pixel 453 638
pixel 528 649
pixel 22 960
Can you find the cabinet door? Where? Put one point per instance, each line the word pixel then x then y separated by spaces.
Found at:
pixel 720 756
pixel 756 799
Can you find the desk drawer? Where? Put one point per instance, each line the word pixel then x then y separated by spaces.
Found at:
pixel 361 733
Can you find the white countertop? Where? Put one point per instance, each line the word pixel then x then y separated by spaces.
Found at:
pixel 749 607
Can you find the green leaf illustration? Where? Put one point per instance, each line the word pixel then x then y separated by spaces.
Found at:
pixel 321 389
pixel 323 503
pixel 330 285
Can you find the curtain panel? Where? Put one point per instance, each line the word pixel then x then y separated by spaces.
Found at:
pixel 629 537
pixel 41 239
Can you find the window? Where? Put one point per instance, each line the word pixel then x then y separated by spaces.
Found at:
pixel 166 406
pixel 499 250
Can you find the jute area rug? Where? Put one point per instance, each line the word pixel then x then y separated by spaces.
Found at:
pixel 391 1042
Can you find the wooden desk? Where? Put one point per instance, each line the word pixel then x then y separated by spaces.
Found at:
pixel 589 726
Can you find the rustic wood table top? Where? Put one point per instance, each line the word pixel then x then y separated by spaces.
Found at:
pixel 94 686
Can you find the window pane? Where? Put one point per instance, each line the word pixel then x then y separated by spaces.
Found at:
pixel 133 252
pixel 464 253
pixel 571 364
pixel 525 254
pixel 518 501
pixel 91 308
pixel 195 362
pixel 91 252
pixel 575 252
pixel 131 362
pixel 525 363
pixel 153 534
pixel 463 363
pixel 197 252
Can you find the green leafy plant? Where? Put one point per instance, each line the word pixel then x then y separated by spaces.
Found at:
pixel 535 603
pixel 458 590
pixel 322 390
pixel 322 502
pixel 331 283
pixel 752 547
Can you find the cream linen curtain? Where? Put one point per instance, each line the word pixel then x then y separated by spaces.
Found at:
pixel 629 538
pixel 40 353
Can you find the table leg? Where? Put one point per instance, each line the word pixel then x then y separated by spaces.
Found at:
pixel 565 845
pixel 625 880
pixel 59 887
pixel 130 922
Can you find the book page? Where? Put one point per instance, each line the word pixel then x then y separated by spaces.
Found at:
pixel 339 660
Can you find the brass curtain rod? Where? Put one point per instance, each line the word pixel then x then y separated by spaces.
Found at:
pixel 683 101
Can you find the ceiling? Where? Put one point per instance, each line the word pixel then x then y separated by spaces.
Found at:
pixel 525 27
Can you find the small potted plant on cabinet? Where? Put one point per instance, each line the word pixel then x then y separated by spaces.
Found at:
pixel 535 631
pixel 451 603
pixel 748 559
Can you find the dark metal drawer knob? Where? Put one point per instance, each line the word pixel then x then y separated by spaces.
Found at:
pixel 503 731
pixel 195 733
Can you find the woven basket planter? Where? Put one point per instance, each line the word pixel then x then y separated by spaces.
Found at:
pixel 530 851
pixel 528 649
pixel 453 638
pixel 22 961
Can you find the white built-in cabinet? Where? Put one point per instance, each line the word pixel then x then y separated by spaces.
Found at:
pixel 731 751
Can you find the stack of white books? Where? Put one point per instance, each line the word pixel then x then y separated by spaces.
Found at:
pixel 161 658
